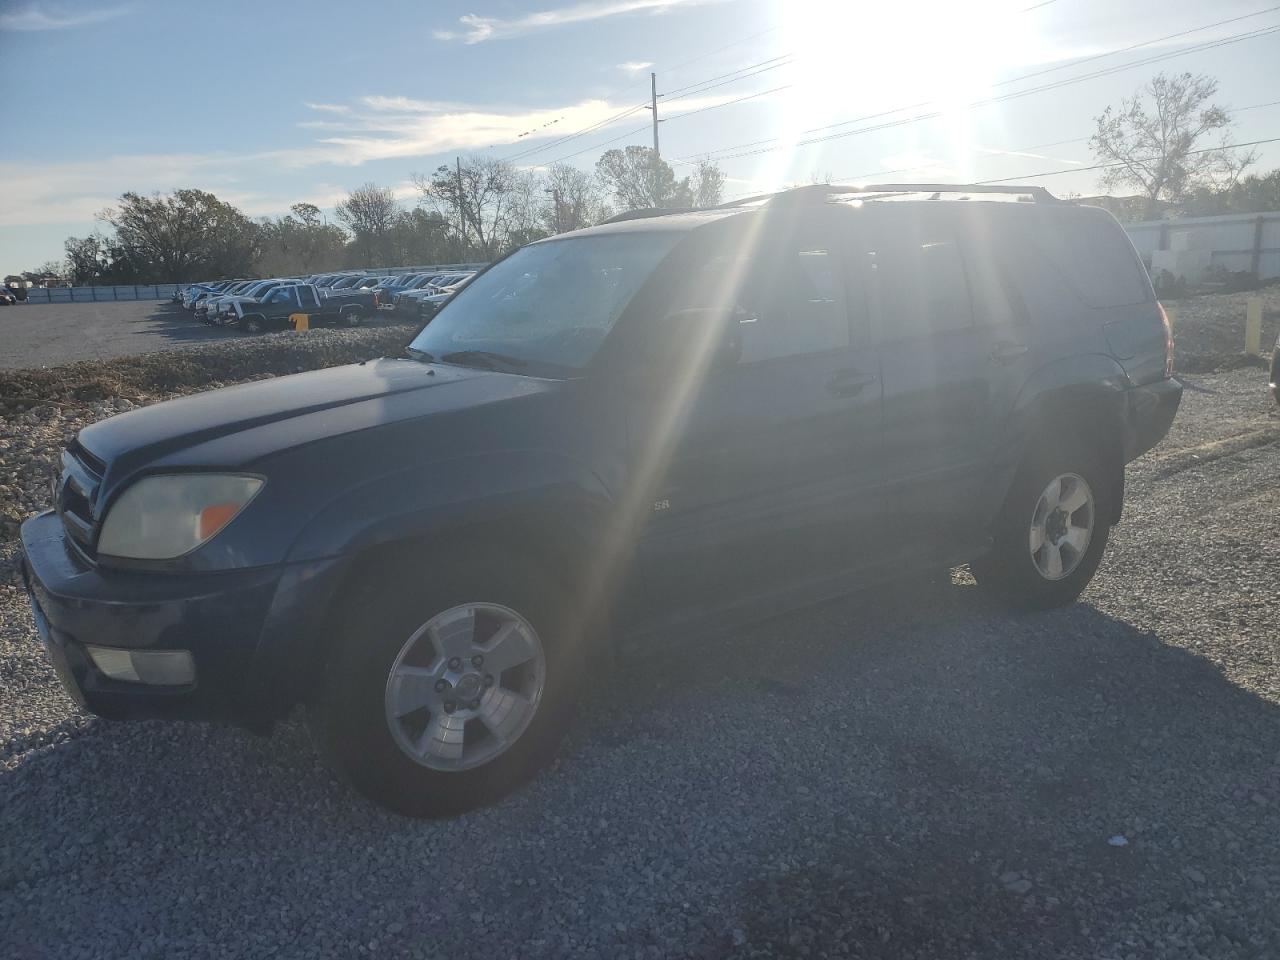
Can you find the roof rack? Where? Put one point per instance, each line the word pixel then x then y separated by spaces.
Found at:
pixel 824 190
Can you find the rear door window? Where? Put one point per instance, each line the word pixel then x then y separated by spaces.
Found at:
pixel 920 274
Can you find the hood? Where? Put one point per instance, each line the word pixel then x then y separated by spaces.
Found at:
pixel 237 425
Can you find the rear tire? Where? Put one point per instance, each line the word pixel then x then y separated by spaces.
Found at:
pixel 396 645
pixel 351 317
pixel 1051 532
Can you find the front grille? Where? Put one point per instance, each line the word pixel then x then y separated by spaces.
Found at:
pixel 76 492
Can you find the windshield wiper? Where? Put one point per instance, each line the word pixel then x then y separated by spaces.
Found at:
pixel 485 359
pixel 413 353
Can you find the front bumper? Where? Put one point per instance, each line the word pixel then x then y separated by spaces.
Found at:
pixel 245 630
pixel 1149 413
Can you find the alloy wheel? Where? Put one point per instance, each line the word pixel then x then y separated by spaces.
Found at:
pixel 465 686
pixel 1062 526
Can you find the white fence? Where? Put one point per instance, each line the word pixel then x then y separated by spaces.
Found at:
pixel 1239 242
pixel 134 291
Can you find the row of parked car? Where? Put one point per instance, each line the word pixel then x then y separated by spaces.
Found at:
pixel 346 299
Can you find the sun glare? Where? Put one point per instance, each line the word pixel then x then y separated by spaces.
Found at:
pixel 863 60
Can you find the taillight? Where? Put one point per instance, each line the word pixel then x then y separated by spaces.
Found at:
pixel 1168 340
pixel 377 299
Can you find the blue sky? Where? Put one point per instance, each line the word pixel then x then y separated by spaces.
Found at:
pixel 266 104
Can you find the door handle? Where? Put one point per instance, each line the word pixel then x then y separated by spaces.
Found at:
pixel 849 383
pixel 1006 351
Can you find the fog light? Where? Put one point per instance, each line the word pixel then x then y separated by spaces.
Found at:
pixel 158 667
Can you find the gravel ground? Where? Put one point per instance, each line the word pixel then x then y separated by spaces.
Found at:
pixel 909 775
pixel 1209 330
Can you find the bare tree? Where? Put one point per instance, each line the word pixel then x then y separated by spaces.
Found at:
pixel 577 199
pixel 300 242
pixel 308 213
pixel 87 258
pixel 1158 141
pixel 706 184
pixel 370 212
pixel 480 195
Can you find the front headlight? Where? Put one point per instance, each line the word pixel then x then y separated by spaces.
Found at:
pixel 162 517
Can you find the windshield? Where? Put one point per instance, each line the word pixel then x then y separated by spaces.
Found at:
pixel 550 304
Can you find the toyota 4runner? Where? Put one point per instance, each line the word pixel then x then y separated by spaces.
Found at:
pixel 668 419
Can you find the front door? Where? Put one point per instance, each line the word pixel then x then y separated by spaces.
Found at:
pixel 772 475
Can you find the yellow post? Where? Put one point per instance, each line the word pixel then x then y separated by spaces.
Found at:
pixel 300 321
pixel 1253 326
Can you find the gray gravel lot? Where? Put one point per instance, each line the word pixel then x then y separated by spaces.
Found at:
pixel 49 334
pixel 904 775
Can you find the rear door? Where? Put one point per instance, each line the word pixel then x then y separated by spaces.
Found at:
pixel 774 476
pixel 940 374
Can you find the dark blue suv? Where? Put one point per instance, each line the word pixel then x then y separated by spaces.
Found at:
pixel 665 420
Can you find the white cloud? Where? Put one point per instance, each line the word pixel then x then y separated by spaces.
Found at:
pixel 328 107
pixel 407 105
pixel 66 192
pixel 393 127
pixel 480 28
pixel 635 66
pixel 44 16
pixel 370 128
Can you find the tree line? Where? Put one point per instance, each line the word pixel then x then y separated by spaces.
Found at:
pixel 1169 143
pixel 474 210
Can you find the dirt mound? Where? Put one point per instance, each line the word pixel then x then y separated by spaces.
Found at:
pixel 154 375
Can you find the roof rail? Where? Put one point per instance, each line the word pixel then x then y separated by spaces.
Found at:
pixel 1039 194
pixel 645 213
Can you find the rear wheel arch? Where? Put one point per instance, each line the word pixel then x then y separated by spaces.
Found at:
pixel 1081 403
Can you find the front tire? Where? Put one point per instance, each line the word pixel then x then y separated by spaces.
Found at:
pixel 1051 532
pixel 253 324
pixel 448 688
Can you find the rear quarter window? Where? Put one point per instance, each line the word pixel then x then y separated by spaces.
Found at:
pixel 1093 252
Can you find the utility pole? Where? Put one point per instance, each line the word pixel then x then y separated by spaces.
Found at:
pixel 462 225
pixel 555 199
pixel 653 86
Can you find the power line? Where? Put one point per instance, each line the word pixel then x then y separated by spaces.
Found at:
pixel 712 53
pixel 1208 45
pixel 1119 163
pixel 573 136
pixel 855 177
pixel 713 106
pixel 645 106
pixel 1026 76
pixel 727 103
pixel 688 90
pixel 672 94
